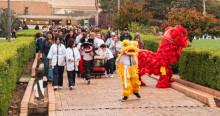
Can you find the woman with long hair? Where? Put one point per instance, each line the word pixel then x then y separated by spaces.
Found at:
pixel 47 43
pixel 72 63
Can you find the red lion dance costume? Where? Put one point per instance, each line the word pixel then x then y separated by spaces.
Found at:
pixel 169 51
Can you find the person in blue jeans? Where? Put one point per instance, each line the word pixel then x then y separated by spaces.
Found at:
pixel 72 63
pixel 46 44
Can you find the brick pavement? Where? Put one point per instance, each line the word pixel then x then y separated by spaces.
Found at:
pixel 102 98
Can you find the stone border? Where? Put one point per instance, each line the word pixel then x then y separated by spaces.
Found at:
pixel 191 92
pixel 213 92
pixel 26 98
pixel 34 66
pixel 52 100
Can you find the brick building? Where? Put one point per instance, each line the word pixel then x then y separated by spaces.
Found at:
pixel 63 12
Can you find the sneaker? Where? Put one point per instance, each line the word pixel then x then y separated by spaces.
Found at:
pixel 72 87
pixel 60 87
pixel 137 95
pixel 55 88
pixel 124 98
pixel 111 76
pixel 106 75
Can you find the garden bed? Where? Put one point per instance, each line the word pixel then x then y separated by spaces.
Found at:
pixel 15 102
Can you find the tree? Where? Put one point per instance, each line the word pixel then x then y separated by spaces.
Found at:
pixel 192 19
pixel 4 22
pixel 157 7
pixel 132 11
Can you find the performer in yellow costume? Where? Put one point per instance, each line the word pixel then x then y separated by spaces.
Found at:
pixel 127 68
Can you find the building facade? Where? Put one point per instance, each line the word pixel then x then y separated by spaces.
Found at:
pixel 63 12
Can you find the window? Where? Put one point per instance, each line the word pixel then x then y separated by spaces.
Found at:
pixel 25 10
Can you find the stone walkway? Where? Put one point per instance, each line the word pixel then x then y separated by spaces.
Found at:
pixel 102 98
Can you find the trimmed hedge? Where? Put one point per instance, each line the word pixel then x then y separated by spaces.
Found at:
pixel 14 57
pixel 27 33
pixel 201 66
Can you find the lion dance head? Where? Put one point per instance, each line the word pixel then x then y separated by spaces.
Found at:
pixel 129 47
pixel 177 35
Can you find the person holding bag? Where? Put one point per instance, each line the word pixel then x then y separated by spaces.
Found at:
pixel 72 59
pixel 56 58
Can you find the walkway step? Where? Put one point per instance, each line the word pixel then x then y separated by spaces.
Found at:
pixel 194 93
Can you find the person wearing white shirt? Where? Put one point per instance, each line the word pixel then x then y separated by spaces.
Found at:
pixel 56 58
pixel 110 43
pixel 79 37
pixel 98 40
pixel 72 63
pixel 107 54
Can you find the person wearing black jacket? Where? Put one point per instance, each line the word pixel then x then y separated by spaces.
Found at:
pixel 125 35
pixel 71 35
pixel 47 43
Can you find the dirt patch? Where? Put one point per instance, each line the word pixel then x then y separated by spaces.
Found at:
pixel 14 107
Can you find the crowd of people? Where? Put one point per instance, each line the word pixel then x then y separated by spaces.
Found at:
pixel 75 48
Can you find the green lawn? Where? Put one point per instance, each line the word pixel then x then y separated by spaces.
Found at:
pixel 206 43
pixel 203 43
pixel 29 32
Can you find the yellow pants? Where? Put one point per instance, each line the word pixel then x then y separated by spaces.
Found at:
pixel 132 79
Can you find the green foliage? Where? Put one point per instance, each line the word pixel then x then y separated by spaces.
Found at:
pixel 151 42
pixel 14 57
pixel 27 33
pixel 195 22
pixel 131 11
pixel 137 27
pixel 108 6
pixel 201 66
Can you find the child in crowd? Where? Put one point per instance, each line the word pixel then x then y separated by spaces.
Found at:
pixel 72 63
pixel 107 54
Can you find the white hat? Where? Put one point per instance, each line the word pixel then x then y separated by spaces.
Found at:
pixel 113 33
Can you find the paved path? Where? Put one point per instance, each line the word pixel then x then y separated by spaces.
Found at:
pixel 102 98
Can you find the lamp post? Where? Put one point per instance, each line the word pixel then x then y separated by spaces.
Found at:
pixel 9 21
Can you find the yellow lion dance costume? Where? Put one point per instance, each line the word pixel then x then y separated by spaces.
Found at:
pixel 127 68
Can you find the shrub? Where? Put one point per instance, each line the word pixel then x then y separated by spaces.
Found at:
pixel 201 66
pixel 137 27
pixel 14 56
